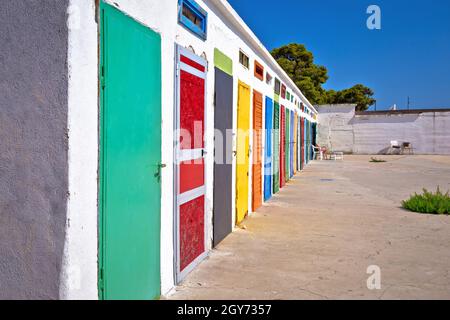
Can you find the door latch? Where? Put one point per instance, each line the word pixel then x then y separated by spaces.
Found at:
pixel 158 173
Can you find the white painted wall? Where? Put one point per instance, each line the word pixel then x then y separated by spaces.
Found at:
pixel 428 132
pixel 335 130
pixel 341 129
pixel 226 33
pixel 79 275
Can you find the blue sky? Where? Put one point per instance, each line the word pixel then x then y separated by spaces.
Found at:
pixel 409 56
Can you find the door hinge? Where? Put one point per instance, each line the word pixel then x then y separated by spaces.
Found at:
pixel 102 77
pixel 178 69
pixel 102 279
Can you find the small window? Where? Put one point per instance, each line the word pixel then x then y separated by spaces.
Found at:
pixel 193 17
pixel 244 60
pixel 269 78
pixel 259 71
pixel 288 96
pixel 283 91
pixel 277 86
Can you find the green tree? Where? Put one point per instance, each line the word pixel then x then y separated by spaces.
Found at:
pixel 299 64
pixel 358 94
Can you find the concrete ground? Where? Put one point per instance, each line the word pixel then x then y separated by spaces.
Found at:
pixel 318 236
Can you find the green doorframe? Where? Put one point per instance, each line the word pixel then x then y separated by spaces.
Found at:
pixel 129 136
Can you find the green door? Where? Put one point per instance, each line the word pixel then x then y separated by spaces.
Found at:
pixel 276 148
pixel 130 192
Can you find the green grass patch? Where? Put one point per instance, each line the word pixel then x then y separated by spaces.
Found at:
pixel 375 160
pixel 429 202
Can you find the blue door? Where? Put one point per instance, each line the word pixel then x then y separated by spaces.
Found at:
pixel 268 150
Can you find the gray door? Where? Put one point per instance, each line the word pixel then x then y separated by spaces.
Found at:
pixel 223 151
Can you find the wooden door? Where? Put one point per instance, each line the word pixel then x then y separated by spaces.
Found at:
pixel 257 150
pixel 287 145
pixel 291 144
pixel 276 148
pixel 243 152
pixel 223 164
pixel 268 154
pixel 295 143
pixel 282 147
pixel 302 140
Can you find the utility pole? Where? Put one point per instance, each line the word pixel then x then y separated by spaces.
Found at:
pixel 409 102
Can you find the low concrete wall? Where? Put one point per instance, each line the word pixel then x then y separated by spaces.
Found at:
pixel 343 129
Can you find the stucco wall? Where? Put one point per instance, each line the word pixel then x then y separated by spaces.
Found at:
pixel 341 129
pixel 79 274
pixel 33 147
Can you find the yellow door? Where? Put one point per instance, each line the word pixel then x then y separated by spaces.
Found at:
pixel 243 152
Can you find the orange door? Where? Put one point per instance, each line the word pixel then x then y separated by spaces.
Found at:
pixel 257 150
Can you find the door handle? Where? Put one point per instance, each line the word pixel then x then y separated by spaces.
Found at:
pixel 157 175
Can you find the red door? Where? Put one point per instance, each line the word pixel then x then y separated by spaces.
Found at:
pixel 302 135
pixel 190 164
pixel 257 151
pixel 283 147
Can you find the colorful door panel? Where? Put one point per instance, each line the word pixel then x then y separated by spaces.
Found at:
pixel 292 144
pixel 299 144
pixel 295 143
pixel 257 150
pixel 282 147
pixel 243 152
pixel 268 173
pixel 223 164
pixel 287 146
pixel 130 159
pixel 302 151
pixel 190 162
pixel 276 148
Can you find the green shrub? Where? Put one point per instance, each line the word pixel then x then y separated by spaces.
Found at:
pixel 428 202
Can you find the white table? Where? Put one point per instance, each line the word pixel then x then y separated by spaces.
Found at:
pixel 337 156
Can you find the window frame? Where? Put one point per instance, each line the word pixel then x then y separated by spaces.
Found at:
pixel 202 31
pixel 283 91
pixel 269 78
pixel 277 86
pixel 248 59
pixel 258 75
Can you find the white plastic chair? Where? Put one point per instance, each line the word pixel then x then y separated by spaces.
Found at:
pixel 395 145
pixel 317 152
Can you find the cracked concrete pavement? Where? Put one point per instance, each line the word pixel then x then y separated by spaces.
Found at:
pixel 318 236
